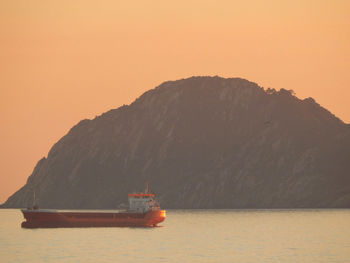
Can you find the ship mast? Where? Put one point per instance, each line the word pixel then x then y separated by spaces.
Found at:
pixel 146 190
pixel 34 197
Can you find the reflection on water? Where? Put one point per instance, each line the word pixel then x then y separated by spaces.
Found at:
pixel 188 236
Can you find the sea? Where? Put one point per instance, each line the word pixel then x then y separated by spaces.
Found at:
pixel 188 236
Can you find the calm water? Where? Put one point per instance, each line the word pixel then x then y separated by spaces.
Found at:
pixel 189 236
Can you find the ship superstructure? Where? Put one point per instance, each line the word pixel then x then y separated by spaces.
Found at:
pixel 142 202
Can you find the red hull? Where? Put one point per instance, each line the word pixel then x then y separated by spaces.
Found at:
pixel 52 218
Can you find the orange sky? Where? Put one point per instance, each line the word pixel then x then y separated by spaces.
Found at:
pixel 62 61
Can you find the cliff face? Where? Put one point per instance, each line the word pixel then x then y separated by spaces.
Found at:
pixel 202 142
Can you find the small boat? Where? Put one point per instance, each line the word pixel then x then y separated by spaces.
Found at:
pixel 143 211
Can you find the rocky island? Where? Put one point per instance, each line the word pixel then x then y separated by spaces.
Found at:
pixel 201 142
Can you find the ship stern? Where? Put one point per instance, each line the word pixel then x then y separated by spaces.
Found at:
pixel 155 217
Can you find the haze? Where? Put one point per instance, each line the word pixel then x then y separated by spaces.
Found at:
pixel 63 61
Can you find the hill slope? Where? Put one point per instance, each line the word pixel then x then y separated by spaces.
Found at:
pixel 202 142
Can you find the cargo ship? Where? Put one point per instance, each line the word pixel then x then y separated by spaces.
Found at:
pixel 143 211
